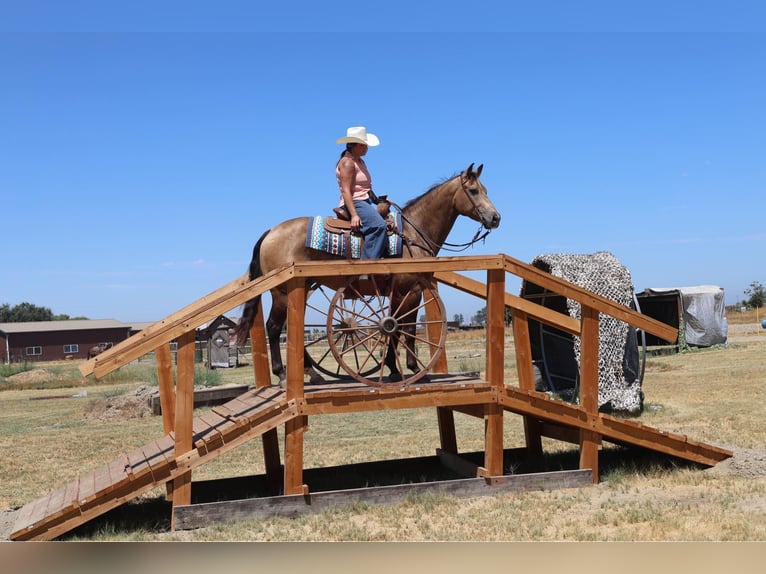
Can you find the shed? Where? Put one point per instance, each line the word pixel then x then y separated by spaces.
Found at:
pixel 698 312
pixel 218 334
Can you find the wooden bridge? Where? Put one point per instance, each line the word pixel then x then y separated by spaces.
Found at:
pixel 190 442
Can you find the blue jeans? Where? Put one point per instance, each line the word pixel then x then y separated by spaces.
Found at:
pixel 373 229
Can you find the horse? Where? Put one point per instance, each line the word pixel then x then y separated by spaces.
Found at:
pixel 98 349
pixel 426 223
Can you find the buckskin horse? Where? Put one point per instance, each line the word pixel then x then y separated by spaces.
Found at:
pixel 426 222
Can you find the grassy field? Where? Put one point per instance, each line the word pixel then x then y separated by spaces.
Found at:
pixel 51 430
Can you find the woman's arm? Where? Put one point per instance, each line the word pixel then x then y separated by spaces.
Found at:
pixel 347 179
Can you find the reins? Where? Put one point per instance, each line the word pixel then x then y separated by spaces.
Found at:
pixel 431 246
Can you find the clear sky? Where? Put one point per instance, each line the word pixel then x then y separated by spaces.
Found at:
pixel 145 146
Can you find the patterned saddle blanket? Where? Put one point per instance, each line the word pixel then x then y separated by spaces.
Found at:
pixel 324 235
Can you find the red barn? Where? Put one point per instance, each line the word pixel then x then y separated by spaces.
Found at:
pixel 56 340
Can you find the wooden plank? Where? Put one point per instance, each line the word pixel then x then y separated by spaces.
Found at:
pixel 419 265
pixel 138 464
pixel 87 488
pixel 206 514
pixel 372 401
pixel 102 479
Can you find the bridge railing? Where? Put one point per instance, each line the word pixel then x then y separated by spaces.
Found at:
pixel 177 401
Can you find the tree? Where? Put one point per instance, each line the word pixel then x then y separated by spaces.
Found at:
pixel 481 317
pixel 24 312
pixel 458 318
pixel 756 293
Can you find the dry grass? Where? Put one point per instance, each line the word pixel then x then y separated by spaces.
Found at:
pixel 714 395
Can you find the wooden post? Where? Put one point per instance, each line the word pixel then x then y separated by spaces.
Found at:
pixel 525 369
pixel 167 396
pixel 261 363
pixel 444 416
pixel 184 415
pixel 262 371
pixel 589 440
pixel 493 437
pixel 165 383
pixel 295 428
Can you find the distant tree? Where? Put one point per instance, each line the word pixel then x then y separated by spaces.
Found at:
pixel 756 294
pixel 458 318
pixel 508 317
pixel 480 318
pixel 24 312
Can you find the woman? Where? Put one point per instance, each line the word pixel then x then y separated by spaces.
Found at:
pixel 356 193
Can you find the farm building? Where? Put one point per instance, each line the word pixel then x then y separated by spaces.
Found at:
pixel 57 340
pixel 699 314
pixel 221 350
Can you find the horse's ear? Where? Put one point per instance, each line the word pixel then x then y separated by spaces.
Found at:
pixel 478 171
pixel 469 171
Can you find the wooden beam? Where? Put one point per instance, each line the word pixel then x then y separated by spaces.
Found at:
pixel 495 370
pixel 166 386
pixel 525 370
pixel 189 318
pixel 589 440
pixel 344 268
pixel 261 362
pixel 539 312
pixel 184 413
pixel 295 429
pixel 589 299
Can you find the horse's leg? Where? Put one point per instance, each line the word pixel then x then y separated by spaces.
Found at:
pixel 407 335
pixel 314 377
pixel 274 324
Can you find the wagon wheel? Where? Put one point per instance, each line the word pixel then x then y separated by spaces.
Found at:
pixel 317 343
pixel 363 320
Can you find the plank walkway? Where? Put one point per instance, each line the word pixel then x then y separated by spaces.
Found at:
pixel 248 416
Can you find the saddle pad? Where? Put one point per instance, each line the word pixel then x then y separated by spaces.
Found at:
pixel 317 237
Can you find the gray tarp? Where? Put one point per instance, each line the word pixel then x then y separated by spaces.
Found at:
pixel 704 313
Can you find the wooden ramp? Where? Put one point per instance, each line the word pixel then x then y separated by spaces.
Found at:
pixel 134 473
pixel 253 413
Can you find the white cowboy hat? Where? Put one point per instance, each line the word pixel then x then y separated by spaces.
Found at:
pixel 359 135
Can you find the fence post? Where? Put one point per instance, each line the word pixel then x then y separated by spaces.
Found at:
pixel 589 440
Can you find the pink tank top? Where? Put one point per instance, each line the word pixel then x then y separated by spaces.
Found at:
pixel 362 181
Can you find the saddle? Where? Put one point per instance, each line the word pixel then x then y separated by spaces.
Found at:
pixel 334 235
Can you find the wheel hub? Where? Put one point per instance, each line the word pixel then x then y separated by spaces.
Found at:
pixel 388 325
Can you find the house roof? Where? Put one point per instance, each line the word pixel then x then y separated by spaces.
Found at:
pixel 69 325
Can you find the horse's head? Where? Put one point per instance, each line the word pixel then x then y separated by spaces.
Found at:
pixel 473 201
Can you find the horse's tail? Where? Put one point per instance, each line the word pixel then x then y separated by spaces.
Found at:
pixel 251 307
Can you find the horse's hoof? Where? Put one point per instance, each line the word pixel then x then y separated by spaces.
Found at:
pixel 394 377
pixel 316 380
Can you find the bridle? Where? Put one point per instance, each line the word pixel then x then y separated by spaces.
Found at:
pixel 430 245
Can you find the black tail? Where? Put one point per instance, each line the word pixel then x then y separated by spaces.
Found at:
pixel 251 307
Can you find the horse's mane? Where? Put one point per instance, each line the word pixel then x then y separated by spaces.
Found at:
pixel 413 201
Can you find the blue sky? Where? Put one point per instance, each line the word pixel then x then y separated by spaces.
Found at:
pixel 144 149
